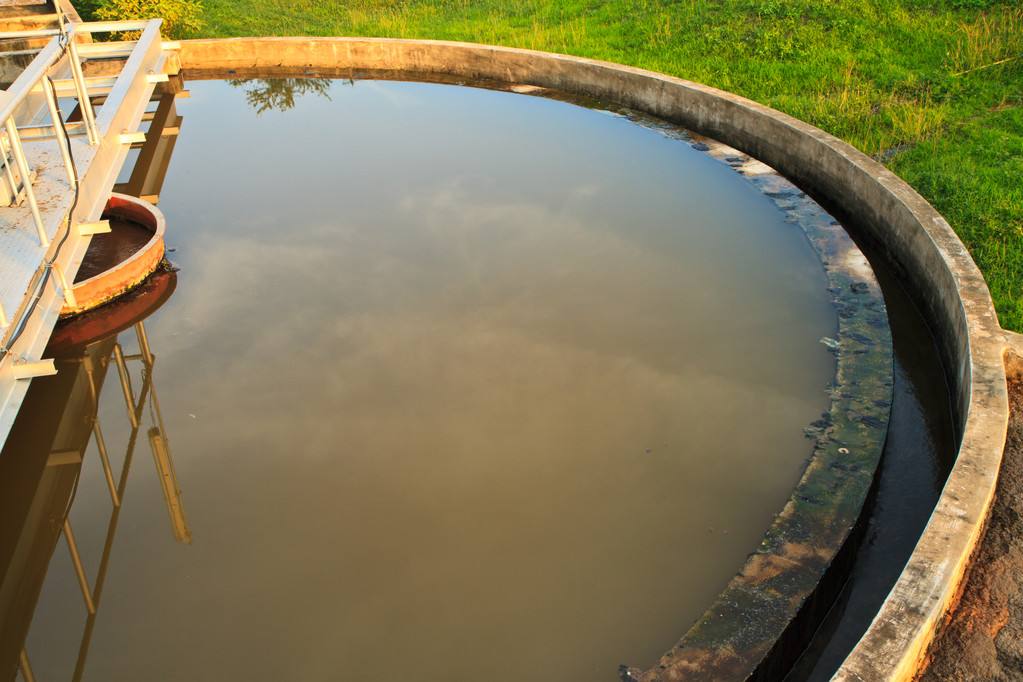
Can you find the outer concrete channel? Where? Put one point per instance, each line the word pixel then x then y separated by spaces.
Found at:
pixel 902 227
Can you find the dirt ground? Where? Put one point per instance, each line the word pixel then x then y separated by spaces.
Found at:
pixel 984 639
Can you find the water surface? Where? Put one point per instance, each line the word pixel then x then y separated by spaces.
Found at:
pixel 108 249
pixel 458 385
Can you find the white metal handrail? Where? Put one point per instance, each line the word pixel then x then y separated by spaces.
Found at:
pixel 37 74
pixel 81 27
pixel 59 56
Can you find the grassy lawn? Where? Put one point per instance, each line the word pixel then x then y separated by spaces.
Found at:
pixel 933 88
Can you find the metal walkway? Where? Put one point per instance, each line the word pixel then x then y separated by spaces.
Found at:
pixel 64 136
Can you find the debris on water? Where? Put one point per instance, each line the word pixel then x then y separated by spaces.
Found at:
pixel 832 344
pixel 628 674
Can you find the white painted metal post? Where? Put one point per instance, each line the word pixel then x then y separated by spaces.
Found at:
pixel 26 181
pixel 84 103
pixel 65 287
pixel 8 160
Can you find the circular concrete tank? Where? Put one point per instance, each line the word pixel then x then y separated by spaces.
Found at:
pixel 894 220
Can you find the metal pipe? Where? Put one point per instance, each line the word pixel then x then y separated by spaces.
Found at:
pixel 84 103
pixel 129 394
pixel 8 160
pixel 97 431
pixel 15 95
pixel 143 338
pixel 108 472
pixel 25 667
pixel 83 580
pixel 22 35
pixel 26 181
pixel 65 288
pixel 34 132
pixel 111 26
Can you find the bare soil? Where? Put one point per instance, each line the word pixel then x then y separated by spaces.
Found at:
pixel 984 638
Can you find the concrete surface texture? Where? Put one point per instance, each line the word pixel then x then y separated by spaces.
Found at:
pixel 918 242
pixel 983 638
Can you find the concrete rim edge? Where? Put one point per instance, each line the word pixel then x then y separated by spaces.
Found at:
pixel 104 286
pixel 954 296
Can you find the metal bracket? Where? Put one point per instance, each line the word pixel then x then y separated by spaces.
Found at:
pixel 98 227
pixel 131 138
pixel 31 370
pixel 69 294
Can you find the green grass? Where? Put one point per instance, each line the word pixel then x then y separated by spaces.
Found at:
pixel 931 87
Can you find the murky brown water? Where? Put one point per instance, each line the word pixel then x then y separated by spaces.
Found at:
pixel 457 385
pixel 106 250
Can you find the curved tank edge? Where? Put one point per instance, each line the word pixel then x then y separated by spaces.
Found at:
pixel 914 238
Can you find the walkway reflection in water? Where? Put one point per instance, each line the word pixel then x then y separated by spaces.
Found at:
pixel 40 468
pixel 59 430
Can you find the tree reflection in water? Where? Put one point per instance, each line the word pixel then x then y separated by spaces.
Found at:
pixel 279 94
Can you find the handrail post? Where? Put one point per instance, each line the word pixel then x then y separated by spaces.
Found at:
pixel 26 181
pixel 84 103
pixel 8 160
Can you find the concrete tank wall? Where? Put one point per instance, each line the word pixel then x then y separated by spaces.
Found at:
pixel 918 242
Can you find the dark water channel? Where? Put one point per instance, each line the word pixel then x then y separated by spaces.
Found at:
pixel 918 456
pixel 455 385
pixel 106 250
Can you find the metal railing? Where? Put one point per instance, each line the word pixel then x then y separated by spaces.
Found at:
pixel 57 72
pixel 37 77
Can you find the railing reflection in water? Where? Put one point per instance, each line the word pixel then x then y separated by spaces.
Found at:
pixel 46 513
